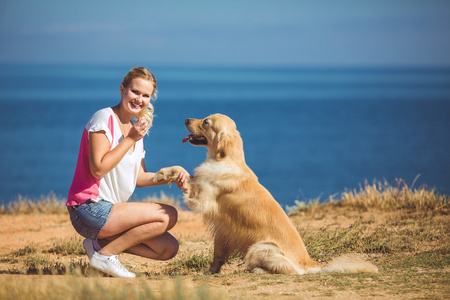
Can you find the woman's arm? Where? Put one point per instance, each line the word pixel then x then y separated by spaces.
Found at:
pixel 101 159
pixel 145 178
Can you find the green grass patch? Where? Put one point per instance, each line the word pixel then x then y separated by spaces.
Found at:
pixel 71 246
pixel 27 250
pixel 189 264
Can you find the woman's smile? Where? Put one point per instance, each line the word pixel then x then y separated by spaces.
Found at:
pixel 136 96
pixel 136 105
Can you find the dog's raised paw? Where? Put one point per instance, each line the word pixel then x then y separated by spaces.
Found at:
pixel 160 176
pixel 169 173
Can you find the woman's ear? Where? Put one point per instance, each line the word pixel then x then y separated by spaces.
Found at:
pixel 223 145
pixel 122 88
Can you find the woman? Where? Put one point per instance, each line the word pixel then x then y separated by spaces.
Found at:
pixel 110 165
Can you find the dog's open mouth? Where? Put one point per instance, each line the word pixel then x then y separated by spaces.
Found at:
pixel 196 139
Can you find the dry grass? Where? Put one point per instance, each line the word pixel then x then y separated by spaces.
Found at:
pixel 46 204
pixel 75 287
pixel 389 198
pixel 50 204
pixel 381 196
pixel 378 195
pixel 404 231
pixel 163 198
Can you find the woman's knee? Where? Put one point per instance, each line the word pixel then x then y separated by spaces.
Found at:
pixel 170 249
pixel 170 216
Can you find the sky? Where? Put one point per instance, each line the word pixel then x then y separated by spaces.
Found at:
pixel 206 32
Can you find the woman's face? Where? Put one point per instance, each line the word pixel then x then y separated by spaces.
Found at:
pixel 136 96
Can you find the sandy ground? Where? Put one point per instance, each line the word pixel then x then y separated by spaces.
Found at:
pixel 17 232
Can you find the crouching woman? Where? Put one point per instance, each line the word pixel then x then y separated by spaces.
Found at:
pixel 110 165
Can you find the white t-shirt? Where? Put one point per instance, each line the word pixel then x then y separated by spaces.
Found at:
pixel 118 184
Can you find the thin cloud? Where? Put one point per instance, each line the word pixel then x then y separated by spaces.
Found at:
pixel 76 28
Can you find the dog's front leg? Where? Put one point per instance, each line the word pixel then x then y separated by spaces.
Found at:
pixel 171 174
pixel 220 254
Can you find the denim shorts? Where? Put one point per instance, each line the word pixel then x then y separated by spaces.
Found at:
pixel 89 218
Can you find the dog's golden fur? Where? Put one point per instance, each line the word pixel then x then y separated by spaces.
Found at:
pixel 242 215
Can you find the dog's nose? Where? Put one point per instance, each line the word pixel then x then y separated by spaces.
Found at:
pixel 187 121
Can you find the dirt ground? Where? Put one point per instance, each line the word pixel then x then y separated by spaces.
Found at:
pixel 19 231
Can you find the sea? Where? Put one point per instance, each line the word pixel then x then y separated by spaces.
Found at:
pixel 310 133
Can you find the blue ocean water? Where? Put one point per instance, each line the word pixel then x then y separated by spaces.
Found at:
pixel 308 132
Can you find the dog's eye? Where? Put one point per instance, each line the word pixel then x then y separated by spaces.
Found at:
pixel 205 122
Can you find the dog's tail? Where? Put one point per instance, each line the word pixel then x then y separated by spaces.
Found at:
pixel 267 257
pixel 348 263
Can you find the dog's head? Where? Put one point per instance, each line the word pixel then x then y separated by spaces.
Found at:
pixel 217 132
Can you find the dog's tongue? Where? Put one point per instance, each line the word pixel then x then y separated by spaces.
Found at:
pixel 187 138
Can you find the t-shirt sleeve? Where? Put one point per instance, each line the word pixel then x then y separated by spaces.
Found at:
pixel 143 149
pixel 99 122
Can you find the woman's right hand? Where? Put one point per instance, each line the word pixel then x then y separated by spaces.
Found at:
pixel 139 129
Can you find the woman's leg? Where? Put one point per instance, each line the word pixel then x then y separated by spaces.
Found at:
pixel 163 247
pixel 141 229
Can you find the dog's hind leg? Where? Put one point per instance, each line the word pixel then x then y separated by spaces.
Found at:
pixel 267 257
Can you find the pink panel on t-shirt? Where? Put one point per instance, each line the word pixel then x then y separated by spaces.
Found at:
pixel 84 185
pixel 111 129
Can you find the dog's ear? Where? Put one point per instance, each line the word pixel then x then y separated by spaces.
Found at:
pixel 223 145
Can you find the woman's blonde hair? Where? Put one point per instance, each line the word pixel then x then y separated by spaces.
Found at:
pixel 141 72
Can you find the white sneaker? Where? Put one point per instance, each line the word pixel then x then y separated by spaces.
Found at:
pixel 89 248
pixel 111 266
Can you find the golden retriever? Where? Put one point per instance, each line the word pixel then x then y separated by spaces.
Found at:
pixel 241 214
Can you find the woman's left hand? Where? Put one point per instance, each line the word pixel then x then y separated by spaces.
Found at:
pixel 181 181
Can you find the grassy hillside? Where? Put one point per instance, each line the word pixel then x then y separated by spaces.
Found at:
pixel 404 231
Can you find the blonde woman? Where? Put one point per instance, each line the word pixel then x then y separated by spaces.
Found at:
pixel 110 165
